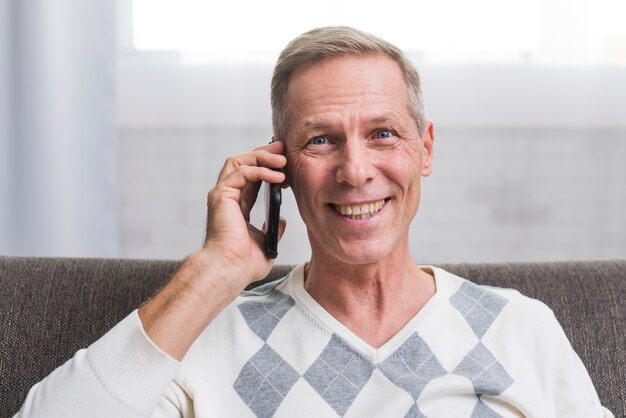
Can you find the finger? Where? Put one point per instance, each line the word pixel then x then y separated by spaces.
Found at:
pixel 282 225
pixel 244 175
pixel 275 147
pixel 257 235
pixel 248 198
pixel 259 157
pixel 242 186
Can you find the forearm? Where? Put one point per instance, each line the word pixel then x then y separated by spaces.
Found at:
pixel 199 291
pixel 122 374
pixel 126 372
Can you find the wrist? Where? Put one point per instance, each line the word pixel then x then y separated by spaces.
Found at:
pixel 216 273
pixel 198 292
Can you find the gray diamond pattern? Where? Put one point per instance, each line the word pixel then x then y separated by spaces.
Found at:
pixel 264 381
pixel 412 366
pixel 339 374
pixel 479 306
pixel 483 411
pixel 263 316
pixel 484 371
pixel 414 412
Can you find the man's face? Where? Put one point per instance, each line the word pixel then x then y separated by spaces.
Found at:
pixel 355 157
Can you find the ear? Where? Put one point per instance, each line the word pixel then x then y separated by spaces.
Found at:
pixel 428 138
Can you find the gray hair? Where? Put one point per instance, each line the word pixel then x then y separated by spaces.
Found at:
pixel 334 41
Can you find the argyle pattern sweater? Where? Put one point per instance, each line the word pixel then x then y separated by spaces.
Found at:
pixel 471 351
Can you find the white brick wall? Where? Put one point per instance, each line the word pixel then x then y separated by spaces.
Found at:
pixel 496 194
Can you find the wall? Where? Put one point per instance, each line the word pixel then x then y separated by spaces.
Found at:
pixel 7 192
pixel 57 129
pixel 529 162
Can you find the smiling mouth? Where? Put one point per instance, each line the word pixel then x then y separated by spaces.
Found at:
pixel 362 211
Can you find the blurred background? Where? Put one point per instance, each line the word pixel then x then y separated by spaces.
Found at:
pixel 115 118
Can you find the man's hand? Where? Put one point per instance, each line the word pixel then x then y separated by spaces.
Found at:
pixel 229 232
pixel 232 256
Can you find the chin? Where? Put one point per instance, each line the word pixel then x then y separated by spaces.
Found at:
pixel 360 253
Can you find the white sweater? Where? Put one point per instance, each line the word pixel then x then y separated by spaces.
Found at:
pixel 471 351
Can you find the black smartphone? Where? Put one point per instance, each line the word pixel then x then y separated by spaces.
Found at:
pixel 273 199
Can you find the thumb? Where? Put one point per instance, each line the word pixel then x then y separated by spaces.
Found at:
pixel 282 225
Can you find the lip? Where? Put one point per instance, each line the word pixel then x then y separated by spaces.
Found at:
pixel 358 217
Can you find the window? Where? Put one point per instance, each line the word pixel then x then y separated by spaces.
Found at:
pixel 544 32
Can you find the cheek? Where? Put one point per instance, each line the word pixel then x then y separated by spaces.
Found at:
pixel 310 179
pixel 410 162
pixel 300 176
pixel 402 171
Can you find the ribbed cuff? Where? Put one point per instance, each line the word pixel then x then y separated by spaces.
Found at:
pixel 131 367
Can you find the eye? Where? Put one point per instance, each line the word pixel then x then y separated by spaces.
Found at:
pixel 383 134
pixel 318 140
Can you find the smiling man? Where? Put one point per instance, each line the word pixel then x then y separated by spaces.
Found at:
pixel 355 157
pixel 359 330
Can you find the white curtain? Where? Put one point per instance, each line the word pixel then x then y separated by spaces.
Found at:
pixel 58 178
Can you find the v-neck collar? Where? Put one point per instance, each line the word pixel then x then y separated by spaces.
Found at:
pixel 317 313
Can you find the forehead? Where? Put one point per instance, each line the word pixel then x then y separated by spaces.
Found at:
pixel 347 80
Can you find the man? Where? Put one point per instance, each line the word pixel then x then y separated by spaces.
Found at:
pixel 359 330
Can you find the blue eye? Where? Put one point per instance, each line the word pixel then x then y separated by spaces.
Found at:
pixel 384 134
pixel 318 140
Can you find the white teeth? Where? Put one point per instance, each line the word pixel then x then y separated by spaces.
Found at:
pixel 362 211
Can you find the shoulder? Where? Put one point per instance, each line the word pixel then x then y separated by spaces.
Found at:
pixel 507 306
pixel 521 332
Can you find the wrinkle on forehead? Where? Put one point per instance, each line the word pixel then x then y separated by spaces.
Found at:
pixel 330 120
pixel 333 93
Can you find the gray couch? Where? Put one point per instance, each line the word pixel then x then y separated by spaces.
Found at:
pixel 51 307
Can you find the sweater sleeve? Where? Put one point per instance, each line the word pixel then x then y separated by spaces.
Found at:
pixel 568 382
pixel 123 374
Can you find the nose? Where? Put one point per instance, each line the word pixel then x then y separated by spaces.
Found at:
pixel 355 166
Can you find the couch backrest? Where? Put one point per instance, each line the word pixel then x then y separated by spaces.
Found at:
pixel 51 307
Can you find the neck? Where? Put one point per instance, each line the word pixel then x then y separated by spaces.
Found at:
pixel 373 300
